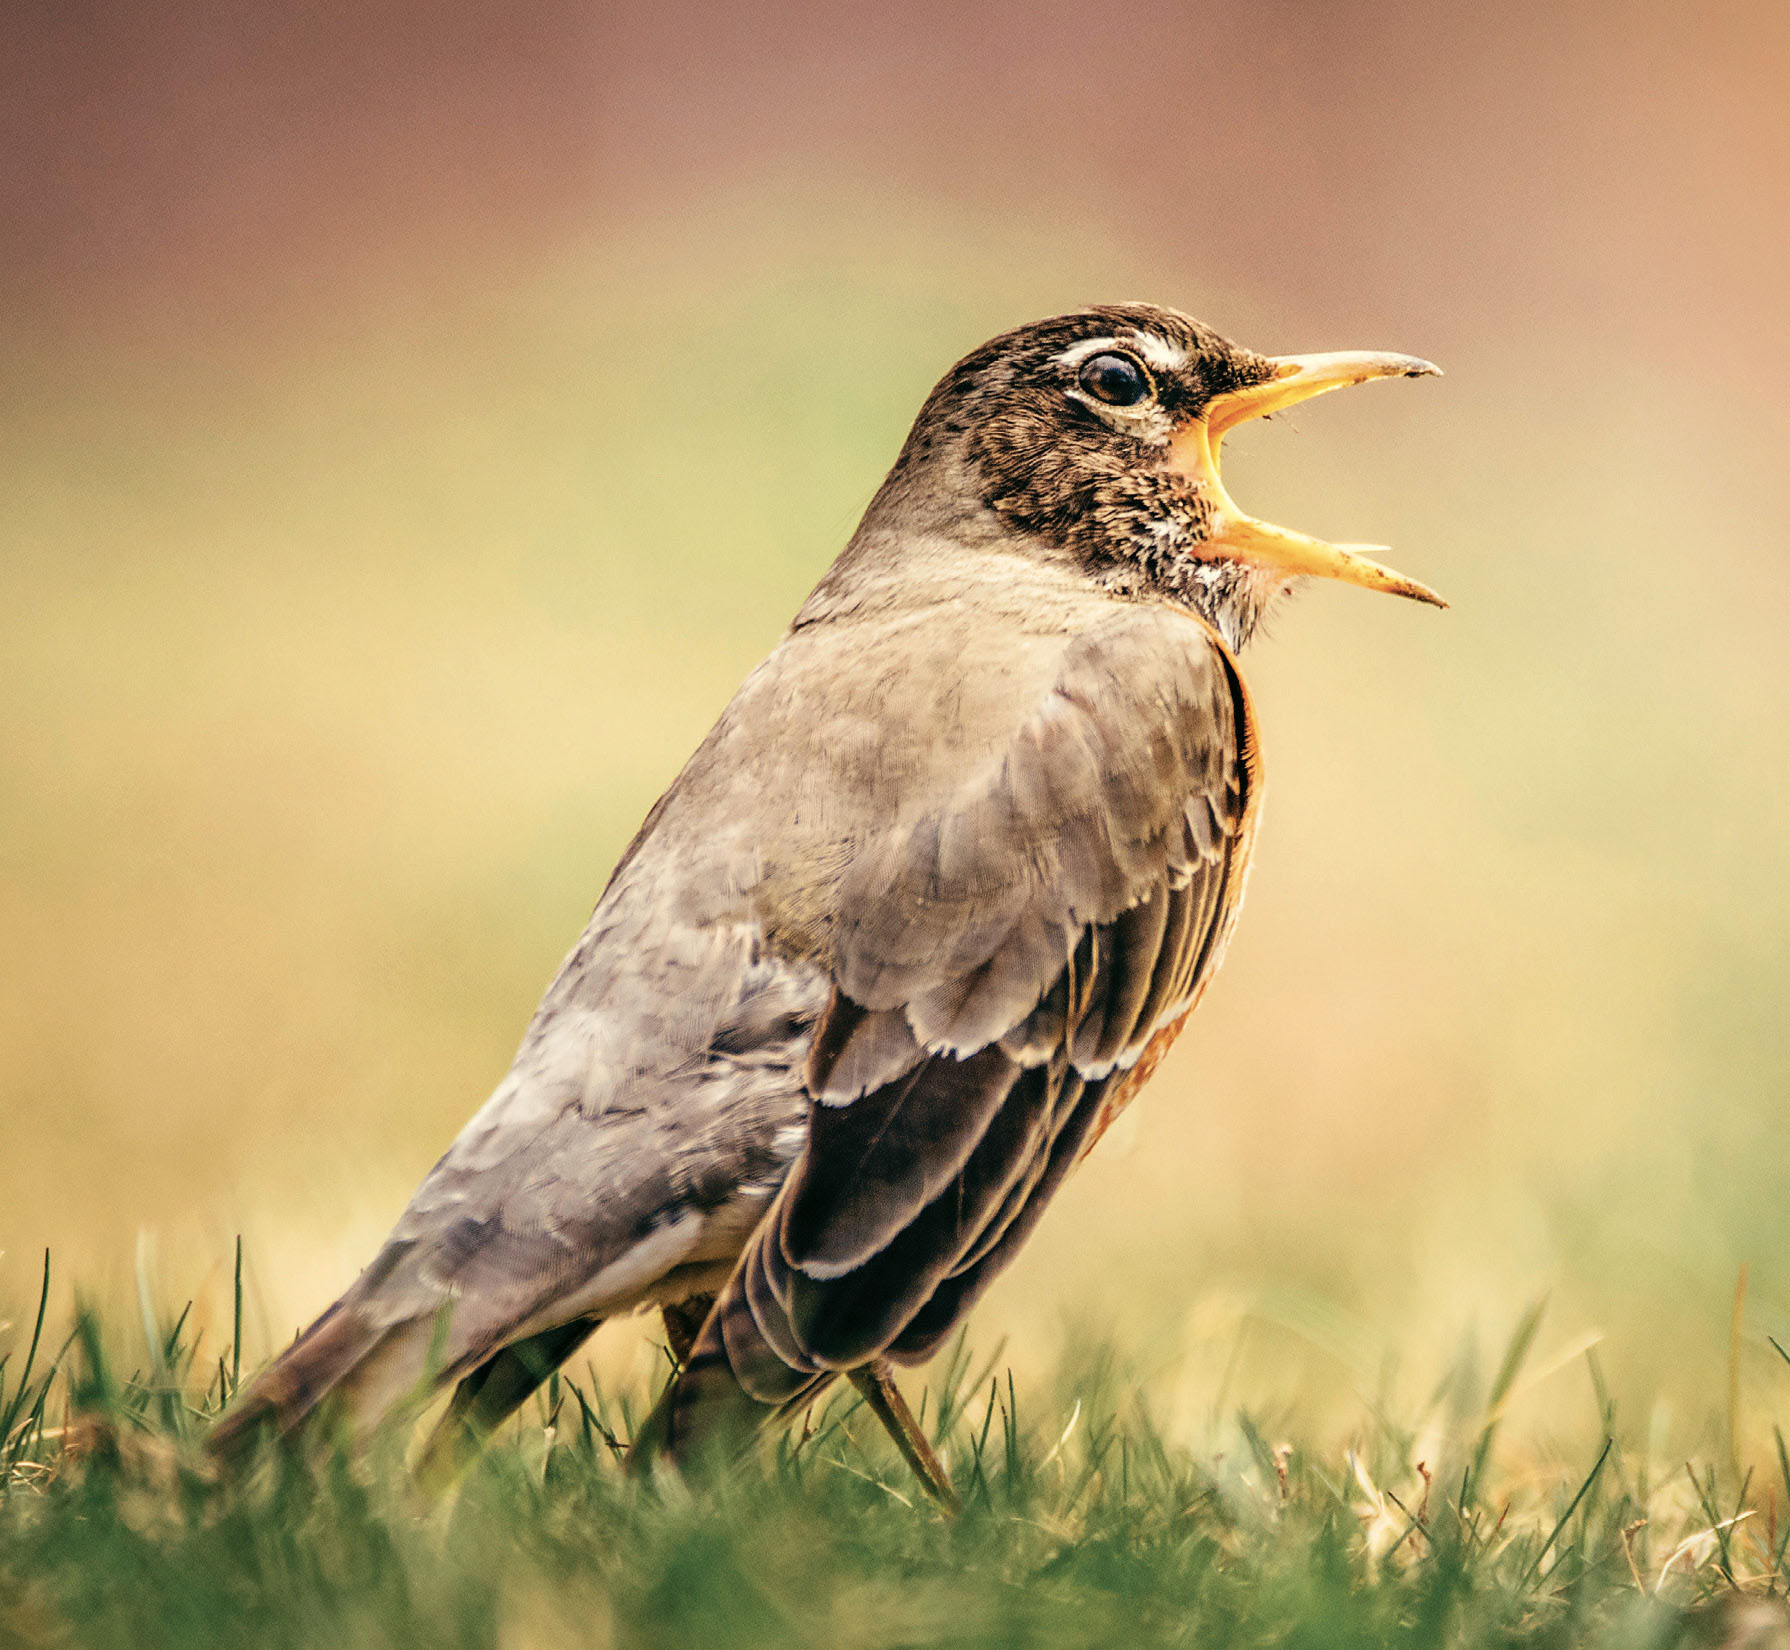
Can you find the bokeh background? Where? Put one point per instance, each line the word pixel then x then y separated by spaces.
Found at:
pixel 416 418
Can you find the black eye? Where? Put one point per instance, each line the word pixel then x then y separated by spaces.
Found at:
pixel 1115 379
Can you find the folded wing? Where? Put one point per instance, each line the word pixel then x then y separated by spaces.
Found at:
pixel 1009 961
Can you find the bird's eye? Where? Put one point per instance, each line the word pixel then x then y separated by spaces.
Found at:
pixel 1115 379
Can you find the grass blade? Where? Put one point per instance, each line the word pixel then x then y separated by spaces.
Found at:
pixel 1571 1508
pixel 236 1326
pixel 1521 1340
pixel 19 1398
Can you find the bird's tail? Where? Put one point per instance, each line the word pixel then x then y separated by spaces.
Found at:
pixel 490 1394
pixel 348 1360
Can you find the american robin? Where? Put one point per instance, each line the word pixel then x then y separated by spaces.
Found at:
pixel 921 914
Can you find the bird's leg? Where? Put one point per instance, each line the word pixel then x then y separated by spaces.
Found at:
pixel 683 1323
pixel 880 1392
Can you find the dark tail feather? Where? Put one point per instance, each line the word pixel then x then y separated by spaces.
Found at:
pixel 493 1392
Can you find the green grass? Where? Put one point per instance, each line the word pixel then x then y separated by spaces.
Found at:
pixel 1085 1523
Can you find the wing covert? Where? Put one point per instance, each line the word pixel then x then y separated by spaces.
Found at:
pixel 1005 956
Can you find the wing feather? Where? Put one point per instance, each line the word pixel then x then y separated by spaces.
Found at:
pixel 1003 958
pixel 872 1166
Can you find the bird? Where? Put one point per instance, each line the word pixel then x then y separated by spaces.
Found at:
pixel 918 918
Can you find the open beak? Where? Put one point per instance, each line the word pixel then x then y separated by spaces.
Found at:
pixel 1194 453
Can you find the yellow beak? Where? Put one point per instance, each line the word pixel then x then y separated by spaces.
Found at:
pixel 1194 454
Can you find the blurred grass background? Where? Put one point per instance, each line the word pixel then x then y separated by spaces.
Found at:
pixel 414 424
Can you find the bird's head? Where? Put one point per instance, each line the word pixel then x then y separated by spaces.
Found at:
pixel 1098 434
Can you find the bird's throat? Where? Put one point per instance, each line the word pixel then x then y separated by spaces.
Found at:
pixel 1235 599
